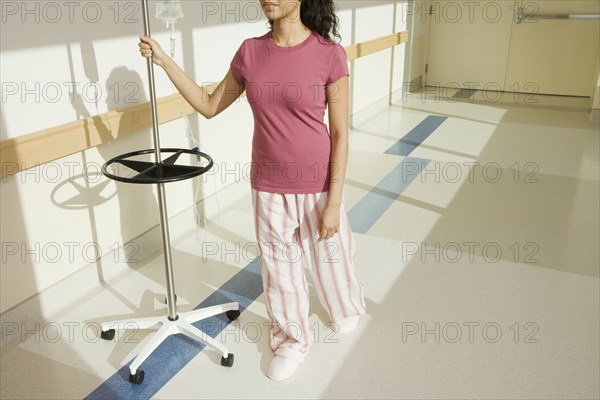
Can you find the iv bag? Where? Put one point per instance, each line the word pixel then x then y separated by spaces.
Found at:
pixel 169 11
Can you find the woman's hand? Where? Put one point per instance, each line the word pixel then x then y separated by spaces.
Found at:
pixel 149 48
pixel 329 223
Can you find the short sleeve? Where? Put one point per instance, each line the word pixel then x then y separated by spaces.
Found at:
pixel 237 63
pixel 339 65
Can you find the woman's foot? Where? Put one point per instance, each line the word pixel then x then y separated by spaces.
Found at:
pixel 285 363
pixel 346 325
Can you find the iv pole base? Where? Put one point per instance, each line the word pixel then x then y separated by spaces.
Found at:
pixel 166 328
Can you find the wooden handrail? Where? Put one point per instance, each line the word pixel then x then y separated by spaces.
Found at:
pixel 50 144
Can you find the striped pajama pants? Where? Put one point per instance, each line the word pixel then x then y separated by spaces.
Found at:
pixel 286 233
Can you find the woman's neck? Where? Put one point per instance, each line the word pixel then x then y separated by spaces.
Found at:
pixel 287 33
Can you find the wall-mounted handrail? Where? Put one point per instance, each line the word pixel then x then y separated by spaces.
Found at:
pixel 31 150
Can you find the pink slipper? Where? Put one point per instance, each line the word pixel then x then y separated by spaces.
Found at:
pixel 346 325
pixel 285 363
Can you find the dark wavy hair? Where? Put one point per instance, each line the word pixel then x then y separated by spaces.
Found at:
pixel 319 16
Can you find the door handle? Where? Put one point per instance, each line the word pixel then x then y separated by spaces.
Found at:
pixel 520 16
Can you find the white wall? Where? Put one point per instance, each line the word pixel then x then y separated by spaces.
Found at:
pixel 56 216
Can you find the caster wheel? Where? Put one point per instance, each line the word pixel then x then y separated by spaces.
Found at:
pixel 227 362
pixel 233 314
pixel 108 335
pixel 137 378
pixel 175 300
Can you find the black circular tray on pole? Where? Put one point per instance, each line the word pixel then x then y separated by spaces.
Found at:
pixel 158 173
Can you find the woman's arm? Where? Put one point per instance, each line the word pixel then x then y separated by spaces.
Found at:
pixel 208 105
pixel 338 105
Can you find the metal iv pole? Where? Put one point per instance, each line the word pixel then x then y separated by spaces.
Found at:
pixel 160 172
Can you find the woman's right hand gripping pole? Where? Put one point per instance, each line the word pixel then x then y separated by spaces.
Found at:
pixel 149 48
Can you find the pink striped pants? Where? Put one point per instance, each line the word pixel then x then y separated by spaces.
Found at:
pixel 286 232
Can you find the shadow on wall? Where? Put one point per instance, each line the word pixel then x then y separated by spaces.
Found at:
pixel 91 187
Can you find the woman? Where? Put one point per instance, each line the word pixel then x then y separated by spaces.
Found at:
pixel 290 75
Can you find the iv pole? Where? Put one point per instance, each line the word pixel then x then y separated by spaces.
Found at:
pixel 162 201
pixel 160 172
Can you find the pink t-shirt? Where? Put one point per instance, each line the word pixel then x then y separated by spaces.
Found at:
pixel 285 87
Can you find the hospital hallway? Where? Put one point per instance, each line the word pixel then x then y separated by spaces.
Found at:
pixel 477 231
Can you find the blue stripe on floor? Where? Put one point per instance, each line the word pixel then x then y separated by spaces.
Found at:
pixel 246 286
pixel 416 136
pixel 374 204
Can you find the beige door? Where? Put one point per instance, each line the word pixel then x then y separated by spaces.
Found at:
pixel 514 46
pixel 553 55
pixel 469 43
